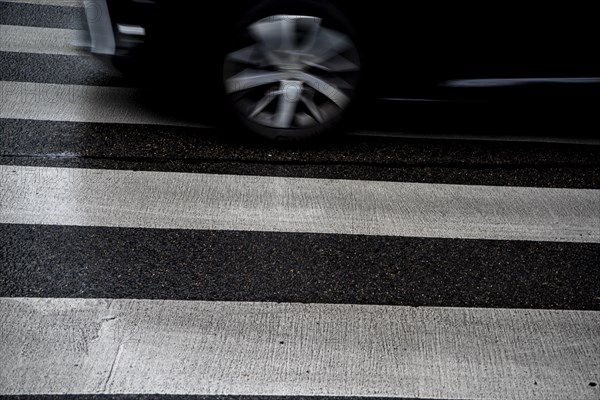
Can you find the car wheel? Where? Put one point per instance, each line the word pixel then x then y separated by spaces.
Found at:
pixel 292 72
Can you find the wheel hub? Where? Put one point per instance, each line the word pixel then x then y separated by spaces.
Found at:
pixel 293 73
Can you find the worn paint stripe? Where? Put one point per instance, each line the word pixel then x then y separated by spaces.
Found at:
pixel 143 199
pixel 26 39
pixel 58 346
pixel 79 103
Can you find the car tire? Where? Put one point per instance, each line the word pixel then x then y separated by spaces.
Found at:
pixel 292 70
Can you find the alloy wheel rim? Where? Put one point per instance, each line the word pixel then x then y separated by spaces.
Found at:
pixel 291 71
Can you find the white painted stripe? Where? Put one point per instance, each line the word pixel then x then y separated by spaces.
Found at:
pixel 77 103
pixel 64 3
pixel 76 346
pixel 27 39
pixel 88 197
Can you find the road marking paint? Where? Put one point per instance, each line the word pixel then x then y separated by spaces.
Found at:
pixel 171 200
pixel 26 39
pixel 79 103
pixel 77 346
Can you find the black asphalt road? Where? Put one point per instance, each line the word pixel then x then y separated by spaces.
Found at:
pixel 138 147
pixel 61 69
pixel 92 262
pixel 43 16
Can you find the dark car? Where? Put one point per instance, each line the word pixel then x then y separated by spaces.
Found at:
pixel 295 69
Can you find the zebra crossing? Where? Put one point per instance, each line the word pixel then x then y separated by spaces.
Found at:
pixel 24 39
pixel 37 195
pixel 131 266
pixel 77 103
pixel 215 348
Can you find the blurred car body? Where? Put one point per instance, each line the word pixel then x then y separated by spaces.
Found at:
pixel 292 69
